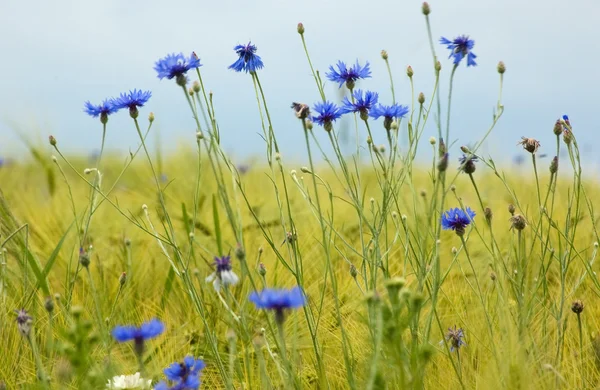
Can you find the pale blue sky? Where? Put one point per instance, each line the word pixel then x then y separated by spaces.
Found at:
pixel 57 54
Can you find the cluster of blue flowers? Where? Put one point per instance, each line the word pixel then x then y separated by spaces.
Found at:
pixel 186 374
pixel 131 100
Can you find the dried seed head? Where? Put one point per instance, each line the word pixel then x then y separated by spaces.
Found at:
pixel 518 222
pixel 384 55
pixel 353 271
pixel 577 307
pixel 432 140
pixel 302 110
pixel 511 209
pixel 529 144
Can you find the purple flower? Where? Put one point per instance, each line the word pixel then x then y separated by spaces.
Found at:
pixel 223 275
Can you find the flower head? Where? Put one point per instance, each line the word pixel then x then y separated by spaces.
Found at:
pixel 132 100
pixel 456 219
pixel 139 334
pixel 389 113
pixel 362 104
pixel 302 110
pixel 24 321
pixel 176 65
pixel 278 300
pixel 348 75
pixel 529 144
pixel 184 375
pixel 102 110
pixel 248 61
pixel 129 382
pixel 460 48
pixel 467 163
pixel 456 338
pixel 328 113
pixel 223 274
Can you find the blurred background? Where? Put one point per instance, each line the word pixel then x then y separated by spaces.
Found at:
pixel 58 54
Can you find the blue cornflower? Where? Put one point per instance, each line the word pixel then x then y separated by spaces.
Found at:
pixel 102 110
pixel 248 61
pixel 132 100
pixel 456 338
pixel 185 375
pixel 459 48
pixel 389 113
pixel 456 219
pixel 140 334
pixel 176 65
pixel 348 75
pixel 180 370
pixel 189 383
pixel 328 113
pixel 362 103
pixel 278 300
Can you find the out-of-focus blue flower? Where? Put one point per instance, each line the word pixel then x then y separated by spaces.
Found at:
pixel 243 168
pixel 348 75
pixel 180 370
pixel 248 60
pixel 328 113
pixel 460 48
pixel 105 108
pixel 456 338
pixel 185 375
pixel 388 112
pixel 278 300
pixel 456 219
pixel 139 334
pixel 175 65
pixel 192 382
pixel 132 99
pixel 363 103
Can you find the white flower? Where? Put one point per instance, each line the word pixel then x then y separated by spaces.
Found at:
pixel 129 382
pixel 223 278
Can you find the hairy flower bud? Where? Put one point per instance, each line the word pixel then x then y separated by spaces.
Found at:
pixel 501 67
pixel 518 222
pixel 384 55
pixel 421 98
pixel 443 163
pixel 300 28
pixel 425 8
pixel 558 128
pixel 52 140
pixel 511 209
pixel 554 165
pixel 409 71
pixel 577 307
pixel 487 212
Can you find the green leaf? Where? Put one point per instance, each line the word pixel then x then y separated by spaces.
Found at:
pixel 168 287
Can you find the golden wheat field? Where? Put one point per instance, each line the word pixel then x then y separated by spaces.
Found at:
pixel 533 344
